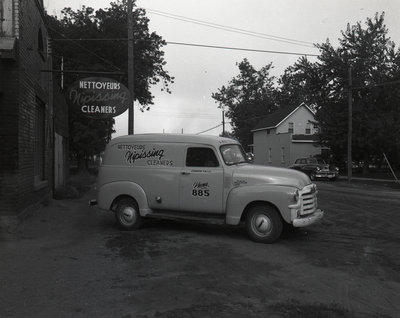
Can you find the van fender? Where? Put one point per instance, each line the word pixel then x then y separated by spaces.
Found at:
pixel 240 198
pixel 107 193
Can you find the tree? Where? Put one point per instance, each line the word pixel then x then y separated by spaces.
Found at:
pixel 374 62
pixel 371 56
pixel 106 51
pixel 300 83
pixel 249 96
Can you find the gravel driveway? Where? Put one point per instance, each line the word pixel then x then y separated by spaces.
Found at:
pixel 70 260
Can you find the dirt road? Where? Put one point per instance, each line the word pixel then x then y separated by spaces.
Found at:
pixel 71 260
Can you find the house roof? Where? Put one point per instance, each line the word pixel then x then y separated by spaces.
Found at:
pixel 276 118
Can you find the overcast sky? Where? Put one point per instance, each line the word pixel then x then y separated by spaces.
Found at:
pixel 284 26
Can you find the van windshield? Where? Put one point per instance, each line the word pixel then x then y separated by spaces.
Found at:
pixel 233 154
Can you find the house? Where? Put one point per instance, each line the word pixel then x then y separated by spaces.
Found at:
pixel 285 135
pixel 32 129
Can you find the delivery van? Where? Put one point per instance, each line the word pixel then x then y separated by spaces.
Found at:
pixel 201 178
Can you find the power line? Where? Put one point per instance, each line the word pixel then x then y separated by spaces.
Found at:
pixel 376 85
pixel 231 29
pixel 184 115
pixel 202 132
pixel 198 45
pixel 83 72
pixel 87 50
pixel 240 49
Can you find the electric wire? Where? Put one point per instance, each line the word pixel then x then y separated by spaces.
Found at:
pixel 204 131
pixel 230 29
pixel 184 115
pixel 87 50
pixel 226 48
pixel 198 45
pixel 241 49
pixel 227 28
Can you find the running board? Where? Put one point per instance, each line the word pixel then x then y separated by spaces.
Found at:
pixel 209 218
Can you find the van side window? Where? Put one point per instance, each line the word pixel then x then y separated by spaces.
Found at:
pixel 201 157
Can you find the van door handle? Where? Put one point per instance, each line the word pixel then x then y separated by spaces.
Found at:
pixel 185 173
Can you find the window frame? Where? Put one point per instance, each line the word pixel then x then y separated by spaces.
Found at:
pixel 270 155
pixel 41 45
pixel 218 164
pixel 291 127
pixel 308 128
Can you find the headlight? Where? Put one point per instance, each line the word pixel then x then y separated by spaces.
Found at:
pixel 296 195
pixel 314 188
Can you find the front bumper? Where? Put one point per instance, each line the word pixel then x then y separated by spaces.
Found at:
pixel 309 219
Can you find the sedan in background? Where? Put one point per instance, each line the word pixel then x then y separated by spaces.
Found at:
pixel 316 168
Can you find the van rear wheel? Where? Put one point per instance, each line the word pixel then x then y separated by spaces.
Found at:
pixel 127 214
pixel 264 224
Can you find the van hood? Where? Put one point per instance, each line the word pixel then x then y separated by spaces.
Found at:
pixel 249 174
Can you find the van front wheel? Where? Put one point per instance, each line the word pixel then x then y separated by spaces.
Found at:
pixel 127 214
pixel 264 224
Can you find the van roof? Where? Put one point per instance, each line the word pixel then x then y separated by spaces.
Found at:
pixel 174 138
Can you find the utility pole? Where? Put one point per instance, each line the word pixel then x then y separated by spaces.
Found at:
pixel 223 123
pixel 130 69
pixel 62 73
pixel 350 129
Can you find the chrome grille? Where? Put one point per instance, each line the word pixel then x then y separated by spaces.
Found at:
pixel 308 200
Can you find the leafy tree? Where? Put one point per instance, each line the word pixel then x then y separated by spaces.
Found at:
pixel 300 83
pixel 373 60
pixel 249 96
pixel 371 56
pixel 106 51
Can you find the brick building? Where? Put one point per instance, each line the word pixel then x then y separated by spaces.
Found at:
pixel 27 114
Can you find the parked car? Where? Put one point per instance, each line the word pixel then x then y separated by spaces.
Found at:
pixel 316 168
pixel 201 178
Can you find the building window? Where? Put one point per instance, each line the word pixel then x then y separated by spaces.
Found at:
pixel 39 142
pixel 41 45
pixel 269 155
pixel 308 128
pixel 291 128
pixel 283 155
pixel 268 131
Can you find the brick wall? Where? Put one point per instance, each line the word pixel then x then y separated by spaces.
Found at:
pixel 9 136
pixel 9 116
pixel 26 84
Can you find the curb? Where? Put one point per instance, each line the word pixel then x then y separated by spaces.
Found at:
pixel 344 178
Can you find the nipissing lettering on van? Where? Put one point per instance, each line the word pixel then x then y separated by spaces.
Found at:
pixel 132 156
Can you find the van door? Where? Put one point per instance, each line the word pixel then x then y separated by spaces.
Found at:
pixel 201 186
